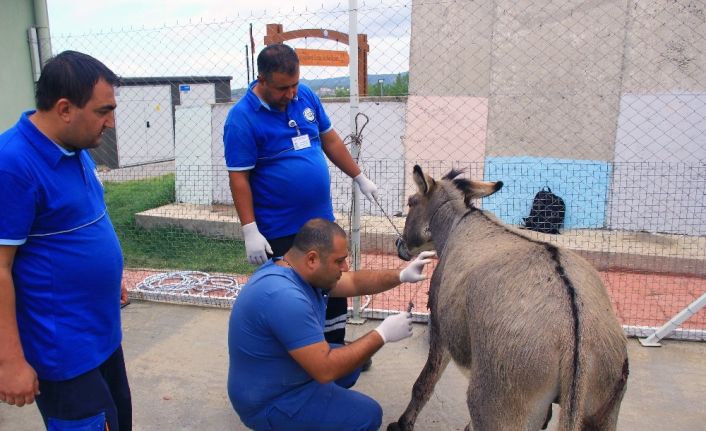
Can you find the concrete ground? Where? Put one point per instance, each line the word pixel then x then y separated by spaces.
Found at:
pixel 177 364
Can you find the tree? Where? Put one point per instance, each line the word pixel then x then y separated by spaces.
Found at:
pixel 398 88
pixel 401 85
pixel 342 92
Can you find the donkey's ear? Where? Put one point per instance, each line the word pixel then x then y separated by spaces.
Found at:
pixel 481 189
pixel 424 182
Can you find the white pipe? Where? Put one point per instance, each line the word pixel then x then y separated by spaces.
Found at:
pixel 34 53
pixel 355 150
pixel 674 323
pixel 41 22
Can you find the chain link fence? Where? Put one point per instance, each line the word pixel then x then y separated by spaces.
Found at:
pixel 601 101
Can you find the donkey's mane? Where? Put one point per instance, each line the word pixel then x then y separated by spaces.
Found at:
pixel 462 184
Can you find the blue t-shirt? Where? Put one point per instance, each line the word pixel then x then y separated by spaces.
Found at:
pixel 290 181
pixel 261 372
pixel 68 265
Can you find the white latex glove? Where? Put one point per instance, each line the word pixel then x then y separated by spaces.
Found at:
pixel 256 246
pixel 414 271
pixel 396 327
pixel 367 187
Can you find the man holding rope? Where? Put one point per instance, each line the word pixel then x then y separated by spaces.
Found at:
pixel 275 140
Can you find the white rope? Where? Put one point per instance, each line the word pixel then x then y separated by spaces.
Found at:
pixel 197 284
pixel 368 299
pixel 192 283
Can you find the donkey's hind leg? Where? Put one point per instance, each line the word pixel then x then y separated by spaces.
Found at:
pixel 436 363
pixel 495 405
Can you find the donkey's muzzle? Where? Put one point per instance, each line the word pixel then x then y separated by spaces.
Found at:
pixel 402 250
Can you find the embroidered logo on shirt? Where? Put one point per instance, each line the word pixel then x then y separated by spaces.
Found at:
pixel 309 115
pixel 95 172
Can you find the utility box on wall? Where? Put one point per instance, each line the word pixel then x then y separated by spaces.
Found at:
pixel 144 125
pixel 144 117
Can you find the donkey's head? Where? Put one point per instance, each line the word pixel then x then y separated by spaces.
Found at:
pixel 437 202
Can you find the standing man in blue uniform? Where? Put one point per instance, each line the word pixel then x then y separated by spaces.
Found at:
pixel 275 140
pixel 60 259
pixel 283 375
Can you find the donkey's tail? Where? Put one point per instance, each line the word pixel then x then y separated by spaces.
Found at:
pixel 570 405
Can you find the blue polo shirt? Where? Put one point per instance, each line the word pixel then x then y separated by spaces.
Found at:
pixel 290 181
pixel 262 374
pixel 68 265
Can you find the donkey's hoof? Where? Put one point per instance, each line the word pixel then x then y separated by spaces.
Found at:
pixel 395 426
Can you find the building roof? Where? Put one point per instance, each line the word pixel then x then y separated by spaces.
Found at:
pixel 164 80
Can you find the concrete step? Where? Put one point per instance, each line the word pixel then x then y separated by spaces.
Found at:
pixel 605 249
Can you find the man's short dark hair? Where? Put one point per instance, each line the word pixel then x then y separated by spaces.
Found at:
pixel 70 75
pixel 317 234
pixel 279 58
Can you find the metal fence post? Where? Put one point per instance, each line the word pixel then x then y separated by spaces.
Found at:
pixel 355 149
pixel 674 323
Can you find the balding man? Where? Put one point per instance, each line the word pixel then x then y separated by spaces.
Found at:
pixel 283 374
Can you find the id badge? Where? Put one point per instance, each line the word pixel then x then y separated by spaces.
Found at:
pixel 300 142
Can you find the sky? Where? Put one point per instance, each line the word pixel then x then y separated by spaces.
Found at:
pixel 208 37
pixel 88 16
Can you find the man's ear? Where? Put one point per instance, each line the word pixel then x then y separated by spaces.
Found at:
pixel 63 108
pixel 312 259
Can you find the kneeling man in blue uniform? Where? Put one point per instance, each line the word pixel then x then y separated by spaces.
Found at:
pixel 283 374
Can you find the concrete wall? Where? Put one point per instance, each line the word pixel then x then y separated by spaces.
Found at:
pixel 660 181
pixel 449 85
pixel 16 79
pixel 580 183
pixel 574 95
pixel 555 79
pixel 664 50
pixel 450 48
pixel 660 148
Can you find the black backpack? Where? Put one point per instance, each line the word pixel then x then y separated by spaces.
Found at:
pixel 547 213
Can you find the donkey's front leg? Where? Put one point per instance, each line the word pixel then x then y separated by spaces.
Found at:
pixel 424 386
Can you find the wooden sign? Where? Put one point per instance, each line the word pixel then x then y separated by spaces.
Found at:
pixel 322 57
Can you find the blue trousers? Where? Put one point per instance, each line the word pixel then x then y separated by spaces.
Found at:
pixel 331 408
pixel 97 400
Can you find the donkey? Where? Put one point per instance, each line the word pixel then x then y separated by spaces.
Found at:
pixel 529 323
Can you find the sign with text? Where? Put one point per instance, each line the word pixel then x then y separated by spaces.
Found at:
pixel 322 57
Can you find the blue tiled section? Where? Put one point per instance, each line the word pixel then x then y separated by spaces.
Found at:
pixel 583 184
